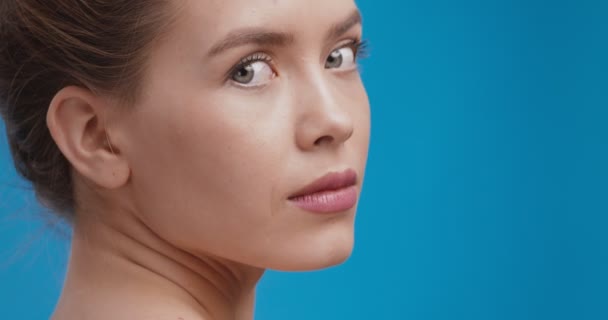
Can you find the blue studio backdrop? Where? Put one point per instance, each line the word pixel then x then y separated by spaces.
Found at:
pixel 486 192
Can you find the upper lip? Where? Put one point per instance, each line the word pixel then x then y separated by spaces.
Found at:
pixel 330 181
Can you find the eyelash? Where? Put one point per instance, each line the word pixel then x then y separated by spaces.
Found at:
pixel 258 56
pixel 360 48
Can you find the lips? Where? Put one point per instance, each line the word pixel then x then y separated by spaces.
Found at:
pixel 329 182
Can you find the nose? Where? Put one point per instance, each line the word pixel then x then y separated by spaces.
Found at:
pixel 323 117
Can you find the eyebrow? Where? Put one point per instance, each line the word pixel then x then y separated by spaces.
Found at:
pixel 339 29
pixel 265 37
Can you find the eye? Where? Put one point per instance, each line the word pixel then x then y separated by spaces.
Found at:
pixel 344 58
pixel 253 71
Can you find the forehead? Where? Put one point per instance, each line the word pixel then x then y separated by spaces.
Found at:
pixel 211 19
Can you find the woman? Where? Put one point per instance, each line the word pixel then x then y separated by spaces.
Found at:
pixel 191 144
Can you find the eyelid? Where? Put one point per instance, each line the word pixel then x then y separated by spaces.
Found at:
pixel 356 43
pixel 348 42
pixel 249 59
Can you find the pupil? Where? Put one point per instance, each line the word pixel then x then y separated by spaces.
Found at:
pixel 334 60
pixel 244 75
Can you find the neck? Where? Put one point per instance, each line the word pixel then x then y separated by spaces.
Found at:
pixel 131 268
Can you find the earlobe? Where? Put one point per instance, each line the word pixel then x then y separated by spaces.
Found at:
pixel 75 119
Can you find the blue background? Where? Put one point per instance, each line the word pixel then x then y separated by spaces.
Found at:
pixel 486 191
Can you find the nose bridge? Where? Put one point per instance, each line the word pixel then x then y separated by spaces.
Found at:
pixel 322 116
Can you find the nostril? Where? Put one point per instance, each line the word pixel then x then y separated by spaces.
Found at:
pixel 324 140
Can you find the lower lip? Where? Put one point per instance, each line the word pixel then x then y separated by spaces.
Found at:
pixel 328 201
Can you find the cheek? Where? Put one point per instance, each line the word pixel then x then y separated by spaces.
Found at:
pixel 355 96
pixel 214 166
pixel 364 119
pixel 210 174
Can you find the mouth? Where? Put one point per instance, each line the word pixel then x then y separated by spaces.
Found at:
pixel 334 192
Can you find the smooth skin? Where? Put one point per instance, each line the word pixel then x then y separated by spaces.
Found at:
pixel 183 197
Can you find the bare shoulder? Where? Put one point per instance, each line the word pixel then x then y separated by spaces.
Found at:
pixel 125 306
pixel 127 314
pixel 120 315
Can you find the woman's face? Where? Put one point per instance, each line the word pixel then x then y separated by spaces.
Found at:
pixel 244 103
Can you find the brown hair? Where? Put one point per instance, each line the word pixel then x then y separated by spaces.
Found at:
pixel 46 45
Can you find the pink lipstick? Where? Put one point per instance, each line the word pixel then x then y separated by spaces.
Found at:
pixel 334 192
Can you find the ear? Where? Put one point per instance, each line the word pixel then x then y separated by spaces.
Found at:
pixel 76 122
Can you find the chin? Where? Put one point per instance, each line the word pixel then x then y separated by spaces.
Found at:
pixel 328 248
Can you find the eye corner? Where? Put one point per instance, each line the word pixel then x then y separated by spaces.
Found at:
pixel 362 49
